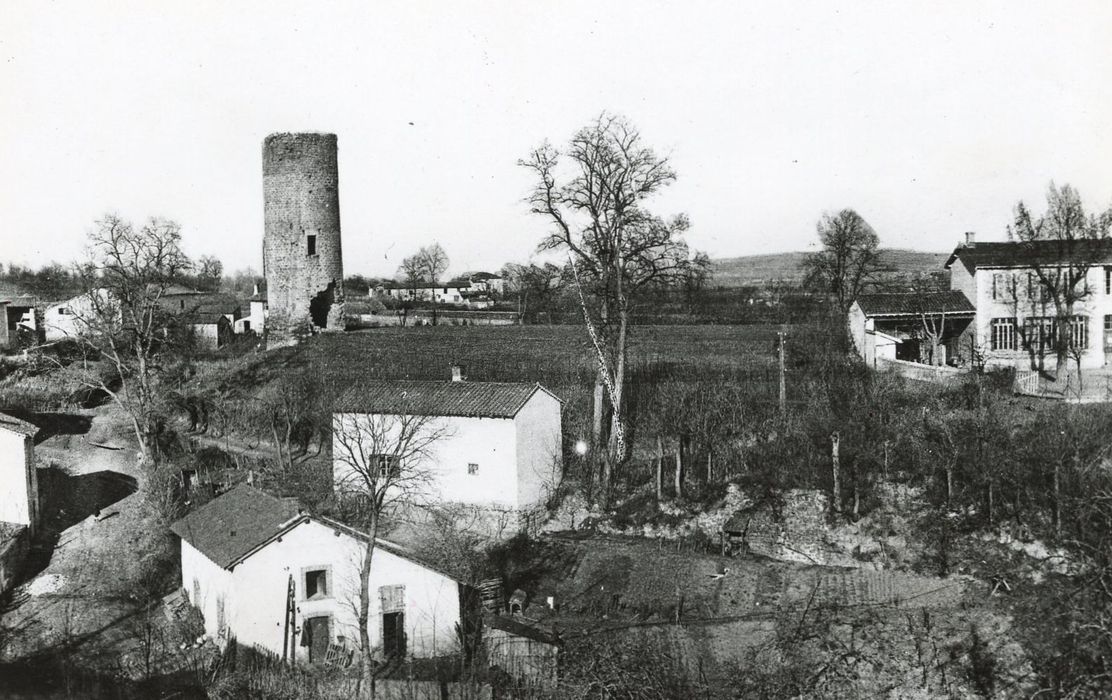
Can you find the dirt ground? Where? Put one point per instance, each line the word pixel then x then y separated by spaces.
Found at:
pixel 82 595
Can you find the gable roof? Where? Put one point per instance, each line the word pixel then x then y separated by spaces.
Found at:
pixel 235 525
pixel 432 398
pixel 914 303
pixel 15 425
pixel 231 526
pixel 1030 253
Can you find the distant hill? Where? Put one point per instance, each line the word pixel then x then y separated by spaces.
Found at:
pixel 788 267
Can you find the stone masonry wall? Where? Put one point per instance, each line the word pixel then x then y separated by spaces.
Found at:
pixel 301 199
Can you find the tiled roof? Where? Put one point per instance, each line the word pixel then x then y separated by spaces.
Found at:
pixel 227 528
pixel 950 302
pixel 16 425
pixel 1026 254
pixel 230 527
pixel 430 398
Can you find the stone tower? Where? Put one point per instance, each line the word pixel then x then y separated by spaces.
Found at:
pixel 302 259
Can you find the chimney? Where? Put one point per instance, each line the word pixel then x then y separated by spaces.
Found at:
pixel 970 239
pixel 457 373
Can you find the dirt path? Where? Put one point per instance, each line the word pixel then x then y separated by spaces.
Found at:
pixel 83 594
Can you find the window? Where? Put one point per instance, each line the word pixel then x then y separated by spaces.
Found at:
pixel 311 241
pixel 388 465
pixel 1108 280
pixel 1003 334
pixel 472 468
pixel 316 584
pixel 221 618
pixel 1039 332
pixel 63 311
pixel 196 593
pixel 1079 332
pixel 997 285
pixel 1107 324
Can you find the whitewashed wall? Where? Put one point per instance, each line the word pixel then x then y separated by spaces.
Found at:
pixel 259 589
pixel 206 584
pixel 539 449
pixel 19 491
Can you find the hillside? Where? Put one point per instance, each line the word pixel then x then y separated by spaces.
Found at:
pixel 758 269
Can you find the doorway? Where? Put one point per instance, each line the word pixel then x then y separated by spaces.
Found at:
pixel 393 634
pixel 317 635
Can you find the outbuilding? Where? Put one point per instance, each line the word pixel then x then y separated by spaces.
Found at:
pixel 499 445
pixel 19 485
pixel 271 576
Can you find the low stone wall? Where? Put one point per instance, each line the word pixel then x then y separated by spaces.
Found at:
pixel 921 372
pixel 15 543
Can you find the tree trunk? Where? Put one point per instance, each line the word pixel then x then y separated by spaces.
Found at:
pixel 617 426
pixel 710 468
pixel 679 471
pixel 836 501
pixel 991 504
pixel 365 610
pixel 596 415
pixel 1058 499
pixel 949 483
pixel 659 470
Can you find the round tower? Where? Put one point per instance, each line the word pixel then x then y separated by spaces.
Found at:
pixel 302 259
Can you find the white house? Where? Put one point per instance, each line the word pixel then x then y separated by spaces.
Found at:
pixel 452 292
pixel 1016 319
pixel 19 485
pixel 271 576
pixel 499 446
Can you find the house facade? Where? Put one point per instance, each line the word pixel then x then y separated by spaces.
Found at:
pixel 19 486
pixel 1016 319
pixel 498 445
pixel 273 577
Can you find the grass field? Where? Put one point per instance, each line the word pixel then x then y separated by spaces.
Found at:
pixel 556 355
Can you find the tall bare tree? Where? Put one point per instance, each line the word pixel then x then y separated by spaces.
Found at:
pixel 123 322
pixel 1062 246
pixel 382 464
pixel 593 194
pixel 849 259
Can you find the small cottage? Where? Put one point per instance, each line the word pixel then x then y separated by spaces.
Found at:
pixel 499 446
pixel 19 485
pixel 269 575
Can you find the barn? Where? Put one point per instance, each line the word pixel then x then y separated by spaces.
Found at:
pixel 271 576
pixel 499 446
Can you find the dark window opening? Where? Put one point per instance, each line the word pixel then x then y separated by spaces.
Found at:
pixel 472 468
pixel 312 244
pixel 393 634
pixel 316 584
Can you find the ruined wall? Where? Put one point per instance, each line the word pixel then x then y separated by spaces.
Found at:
pixel 302 257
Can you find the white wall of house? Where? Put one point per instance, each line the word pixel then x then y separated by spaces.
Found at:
pixel 856 321
pixel 502 463
pixel 208 587
pixel 539 449
pixel 19 486
pixel 64 319
pixel 257 590
pixel 1005 304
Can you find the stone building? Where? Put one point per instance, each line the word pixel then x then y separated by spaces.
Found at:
pixel 302 258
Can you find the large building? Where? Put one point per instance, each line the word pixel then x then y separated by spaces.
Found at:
pixel 1016 318
pixel 302 256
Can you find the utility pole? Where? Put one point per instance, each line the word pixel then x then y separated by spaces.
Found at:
pixel 783 383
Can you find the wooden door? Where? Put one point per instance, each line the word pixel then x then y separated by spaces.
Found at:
pixel 393 634
pixel 318 629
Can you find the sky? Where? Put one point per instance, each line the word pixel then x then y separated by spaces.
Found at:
pixel 930 119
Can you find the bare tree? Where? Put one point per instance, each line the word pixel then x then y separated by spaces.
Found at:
pixel 849 259
pixel 1062 245
pixel 434 262
pixel 210 272
pixel 123 322
pixel 616 247
pixel 382 464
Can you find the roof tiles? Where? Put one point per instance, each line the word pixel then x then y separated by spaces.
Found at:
pixel 431 398
pixel 949 302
